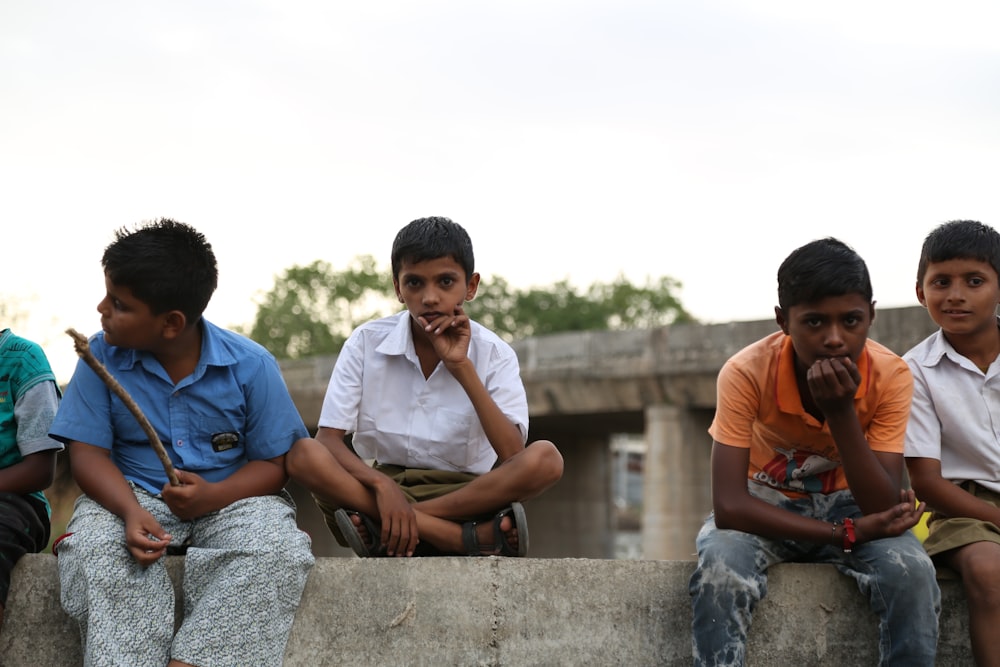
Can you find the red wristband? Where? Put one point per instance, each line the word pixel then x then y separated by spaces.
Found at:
pixel 849 537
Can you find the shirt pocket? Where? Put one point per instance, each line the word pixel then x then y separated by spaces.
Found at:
pixel 220 441
pixel 127 429
pixel 452 439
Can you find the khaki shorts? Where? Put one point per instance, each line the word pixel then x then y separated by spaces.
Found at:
pixel 947 533
pixel 416 484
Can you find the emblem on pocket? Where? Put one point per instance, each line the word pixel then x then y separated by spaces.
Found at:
pixel 223 441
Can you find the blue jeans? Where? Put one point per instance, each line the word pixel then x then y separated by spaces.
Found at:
pixel 894 573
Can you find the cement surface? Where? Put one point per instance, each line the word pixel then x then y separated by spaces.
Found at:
pixel 500 611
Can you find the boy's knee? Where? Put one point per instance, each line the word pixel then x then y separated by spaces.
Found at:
pixel 906 555
pixel 981 580
pixel 548 460
pixel 292 550
pixel 298 457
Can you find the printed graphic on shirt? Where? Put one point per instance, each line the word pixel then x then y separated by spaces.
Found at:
pixel 799 470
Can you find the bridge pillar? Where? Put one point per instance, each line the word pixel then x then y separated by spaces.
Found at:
pixel 574 518
pixel 676 481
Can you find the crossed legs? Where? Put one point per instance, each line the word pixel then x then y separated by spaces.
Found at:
pixel 521 477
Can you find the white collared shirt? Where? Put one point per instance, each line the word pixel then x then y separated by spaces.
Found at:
pixel 378 393
pixel 955 414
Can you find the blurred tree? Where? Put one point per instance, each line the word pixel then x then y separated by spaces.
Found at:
pixel 312 309
pixel 559 307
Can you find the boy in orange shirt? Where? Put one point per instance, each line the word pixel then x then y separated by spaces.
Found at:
pixel 807 465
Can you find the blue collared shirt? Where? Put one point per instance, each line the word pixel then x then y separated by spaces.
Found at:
pixel 233 409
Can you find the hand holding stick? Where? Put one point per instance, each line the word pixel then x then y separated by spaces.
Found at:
pixel 83 351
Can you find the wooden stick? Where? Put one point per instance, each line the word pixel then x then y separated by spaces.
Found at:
pixel 83 351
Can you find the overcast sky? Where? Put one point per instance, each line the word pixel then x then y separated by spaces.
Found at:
pixel 574 140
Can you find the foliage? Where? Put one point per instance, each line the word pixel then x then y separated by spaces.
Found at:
pixel 312 309
pixel 617 305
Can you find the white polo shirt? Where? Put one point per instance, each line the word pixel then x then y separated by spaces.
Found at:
pixel 378 392
pixel 955 414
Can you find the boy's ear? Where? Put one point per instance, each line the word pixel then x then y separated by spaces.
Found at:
pixel 472 287
pixel 174 322
pixel 920 294
pixel 779 317
pixel 871 312
pixel 395 287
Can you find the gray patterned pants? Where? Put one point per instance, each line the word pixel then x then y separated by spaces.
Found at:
pixel 244 573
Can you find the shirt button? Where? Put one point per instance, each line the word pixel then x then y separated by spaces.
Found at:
pixel 180 443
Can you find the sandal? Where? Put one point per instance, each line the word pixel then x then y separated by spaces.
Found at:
pixel 353 536
pixel 470 541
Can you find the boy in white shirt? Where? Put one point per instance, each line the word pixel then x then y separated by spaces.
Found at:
pixel 436 401
pixel 952 439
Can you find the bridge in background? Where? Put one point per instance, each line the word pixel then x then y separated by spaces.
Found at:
pixel 585 388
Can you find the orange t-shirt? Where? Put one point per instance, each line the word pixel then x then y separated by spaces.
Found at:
pixel 758 407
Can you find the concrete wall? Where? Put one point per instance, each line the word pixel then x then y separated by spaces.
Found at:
pixel 502 611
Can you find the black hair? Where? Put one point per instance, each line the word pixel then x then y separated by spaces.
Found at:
pixel 168 265
pixel 960 239
pixel 820 269
pixel 431 238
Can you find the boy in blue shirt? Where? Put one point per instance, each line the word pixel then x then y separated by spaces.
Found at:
pixel 29 399
pixel 436 401
pixel 952 439
pixel 220 407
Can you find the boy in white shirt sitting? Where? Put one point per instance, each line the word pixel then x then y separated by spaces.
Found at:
pixel 436 401
pixel 952 442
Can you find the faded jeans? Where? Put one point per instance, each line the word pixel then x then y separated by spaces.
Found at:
pixel 895 574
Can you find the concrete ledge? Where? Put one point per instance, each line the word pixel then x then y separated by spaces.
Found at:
pixel 498 611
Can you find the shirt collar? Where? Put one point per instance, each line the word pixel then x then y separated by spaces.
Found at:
pixel 400 339
pixel 213 353
pixel 939 348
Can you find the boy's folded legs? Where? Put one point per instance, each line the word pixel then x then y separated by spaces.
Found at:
pixel 522 477
pixel 248 570
pixel 504 533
